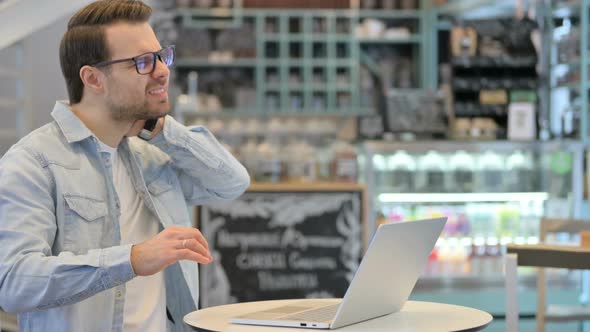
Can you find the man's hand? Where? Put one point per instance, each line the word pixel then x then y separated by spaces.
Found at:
pixel 138 126
pixel 168 247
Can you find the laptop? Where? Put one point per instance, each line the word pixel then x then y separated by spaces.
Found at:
pixel 381 285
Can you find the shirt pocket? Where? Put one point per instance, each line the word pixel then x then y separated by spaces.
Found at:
pixel 85 220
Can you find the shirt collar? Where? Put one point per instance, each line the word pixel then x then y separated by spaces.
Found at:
pixel 70 125
pixel 108 149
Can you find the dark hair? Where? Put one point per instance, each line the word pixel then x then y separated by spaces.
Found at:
pixel 84 41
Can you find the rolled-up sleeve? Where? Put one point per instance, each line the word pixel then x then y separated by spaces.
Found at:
pixel 205 168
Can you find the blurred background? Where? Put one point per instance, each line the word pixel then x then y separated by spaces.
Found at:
pixel 472 109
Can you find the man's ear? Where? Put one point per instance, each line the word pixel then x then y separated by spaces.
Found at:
pixel 92 78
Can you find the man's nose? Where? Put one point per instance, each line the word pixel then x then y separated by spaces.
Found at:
pixel 161 70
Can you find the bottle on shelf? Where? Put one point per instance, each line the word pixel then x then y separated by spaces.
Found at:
pixel 189 103
pixel 571 120
pixel 490 170
pixel 382 172
pixel 270 161
pixel 508 224
pixel 300 162
pixel 520 176
pixel 324 151
pixel 462 172
pixel 344 165
pixel 431 172
pixel 402 168
pixel 249 156
pixel 235 133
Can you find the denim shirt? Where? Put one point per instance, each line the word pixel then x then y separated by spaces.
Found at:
pixel 62 266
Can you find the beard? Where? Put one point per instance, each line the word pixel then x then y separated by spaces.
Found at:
pixel 126 109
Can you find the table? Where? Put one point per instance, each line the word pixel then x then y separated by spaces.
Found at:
pixel 415 316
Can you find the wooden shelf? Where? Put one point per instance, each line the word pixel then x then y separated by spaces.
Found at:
pixel 306 186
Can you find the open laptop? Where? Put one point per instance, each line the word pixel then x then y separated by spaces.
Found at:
pixel 381 285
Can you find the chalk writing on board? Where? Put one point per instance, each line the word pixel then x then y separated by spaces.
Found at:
pixel 281 245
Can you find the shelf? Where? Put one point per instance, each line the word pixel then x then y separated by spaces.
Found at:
pixel 299 37
pixel 221 112
pixel 473 146
pixel 210 12
pixel 305 186
pixel 195 62
pixel 478 9
pixel 321 12
pixel 383 13
pixel 381 40
pixel 462 197
pixel 247 113
pixel 474 84
pixel 284 45
pixel 319 87
pixel 489 62
pixel 474 109
pixel 319 62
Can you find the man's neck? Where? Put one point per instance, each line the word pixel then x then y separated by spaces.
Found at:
pixel 101 123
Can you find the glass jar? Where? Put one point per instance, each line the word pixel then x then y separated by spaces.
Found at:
pixel 402 168
pixel 461 170
pixel 344 165
pixel 520 175
pixel 432 170
pixel 490 168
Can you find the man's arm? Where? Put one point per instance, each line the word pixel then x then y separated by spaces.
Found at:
pixel 206 170
pixel 30 277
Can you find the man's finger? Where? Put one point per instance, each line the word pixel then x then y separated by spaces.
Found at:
pixel 196 246
pixel 187 254
pixel 189 232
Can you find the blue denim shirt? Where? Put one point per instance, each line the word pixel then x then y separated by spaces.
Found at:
pixel 62 266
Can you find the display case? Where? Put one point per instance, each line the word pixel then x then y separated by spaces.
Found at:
pixel 567 62
pixel 493 193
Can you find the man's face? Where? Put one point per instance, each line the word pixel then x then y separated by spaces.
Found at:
pixel 129 95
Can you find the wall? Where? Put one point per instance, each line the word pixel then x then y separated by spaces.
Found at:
pixel 42 82
pixel 47 83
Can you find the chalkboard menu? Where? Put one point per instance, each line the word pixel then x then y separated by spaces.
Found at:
pixel 281 242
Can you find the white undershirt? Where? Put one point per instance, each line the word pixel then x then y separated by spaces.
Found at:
pixel 145 299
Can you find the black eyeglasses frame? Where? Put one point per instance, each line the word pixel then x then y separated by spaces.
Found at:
pixel 156 55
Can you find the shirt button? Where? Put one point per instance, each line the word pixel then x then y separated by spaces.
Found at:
pixel 118 294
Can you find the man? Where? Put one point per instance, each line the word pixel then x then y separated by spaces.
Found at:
pixel 94 227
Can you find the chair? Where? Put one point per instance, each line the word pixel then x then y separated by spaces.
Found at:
pixel 544 255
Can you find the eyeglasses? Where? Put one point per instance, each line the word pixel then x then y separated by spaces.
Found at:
pixel 145 63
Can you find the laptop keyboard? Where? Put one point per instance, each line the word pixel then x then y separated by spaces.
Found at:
pixel 315 315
